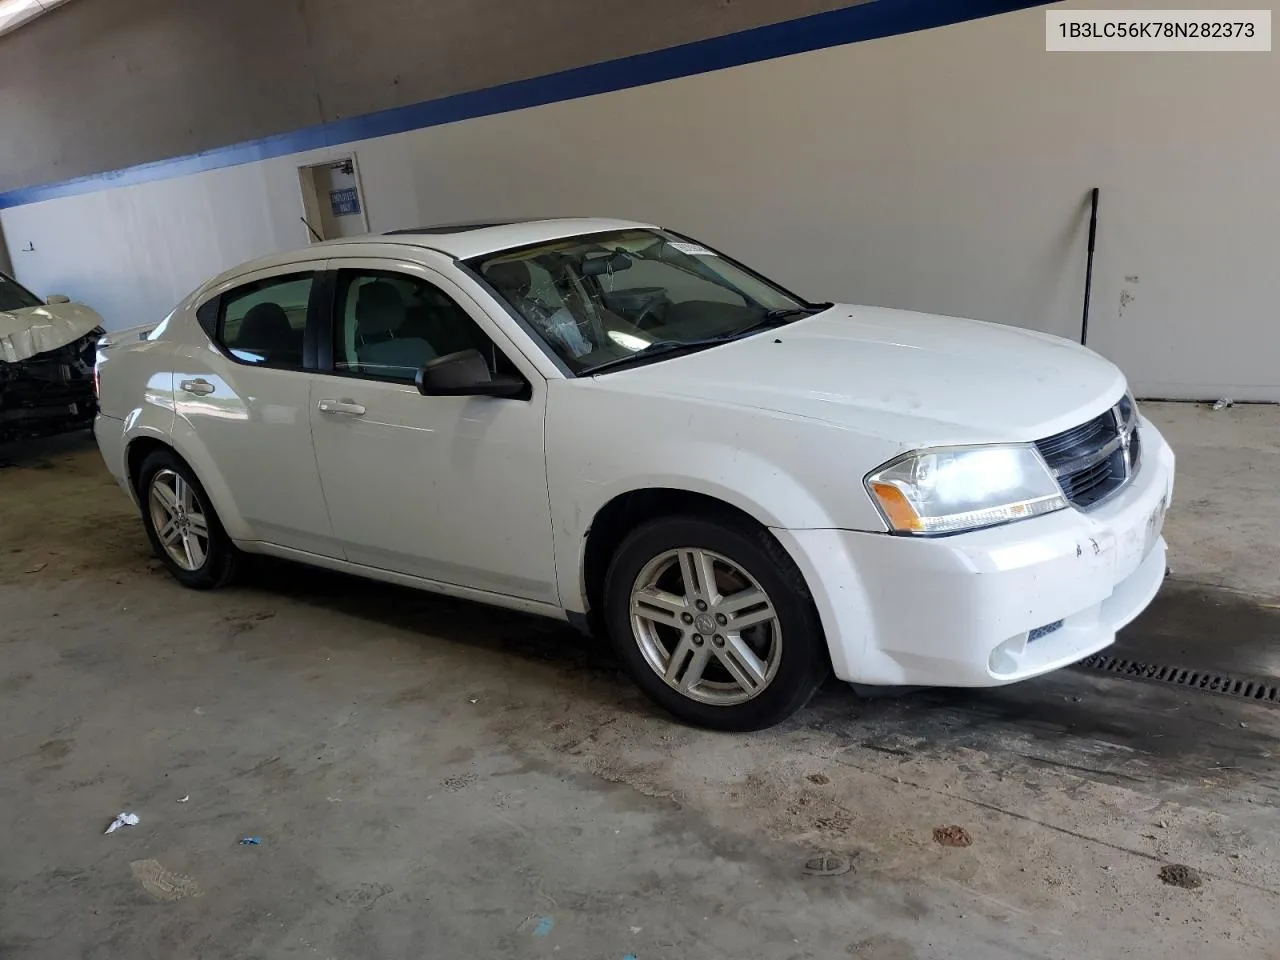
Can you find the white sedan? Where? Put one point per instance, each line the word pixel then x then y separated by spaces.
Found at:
pixel 611 424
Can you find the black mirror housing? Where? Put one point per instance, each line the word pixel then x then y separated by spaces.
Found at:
pixel 464 374
pixel 600 264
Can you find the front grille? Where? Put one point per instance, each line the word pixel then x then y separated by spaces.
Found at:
pixel 1071 443
pixel 1093 461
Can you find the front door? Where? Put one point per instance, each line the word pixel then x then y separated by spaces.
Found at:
pixel 451 489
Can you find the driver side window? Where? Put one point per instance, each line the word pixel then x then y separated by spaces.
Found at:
pixel 389 325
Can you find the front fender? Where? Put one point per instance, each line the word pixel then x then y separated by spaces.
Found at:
pixel 764 502
pixel 786 473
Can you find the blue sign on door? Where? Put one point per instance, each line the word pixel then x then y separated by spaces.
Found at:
pixel 344 202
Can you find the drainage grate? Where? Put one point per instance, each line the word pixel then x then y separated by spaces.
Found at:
pixel 1243 688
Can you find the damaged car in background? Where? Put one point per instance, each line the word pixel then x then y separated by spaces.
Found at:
pixel 47 351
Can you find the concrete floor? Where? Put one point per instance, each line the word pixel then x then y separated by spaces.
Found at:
pixel 434 779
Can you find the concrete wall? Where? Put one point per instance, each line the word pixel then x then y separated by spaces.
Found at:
pixel 943 171
pixel 104 84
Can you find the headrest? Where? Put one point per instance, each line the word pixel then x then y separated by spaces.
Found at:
pixel 379 308
pixel 511 277
pixel 265 324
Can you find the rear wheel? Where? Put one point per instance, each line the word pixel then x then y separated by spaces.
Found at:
pixel 714 622
pixel 183 528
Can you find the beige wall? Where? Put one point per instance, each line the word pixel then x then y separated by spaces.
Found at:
pixel 943 171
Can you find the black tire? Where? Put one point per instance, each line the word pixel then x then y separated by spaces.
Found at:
pixel 222 560
pixel 804 660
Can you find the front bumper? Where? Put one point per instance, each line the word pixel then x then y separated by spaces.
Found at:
pixel 57 411
pixel 966 611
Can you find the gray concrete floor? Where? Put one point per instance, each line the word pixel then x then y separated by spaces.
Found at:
pixel 434 779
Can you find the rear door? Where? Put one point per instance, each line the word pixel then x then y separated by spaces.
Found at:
pixel 451 489
pixel 242 405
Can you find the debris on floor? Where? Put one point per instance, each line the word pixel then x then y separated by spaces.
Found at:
pixel 821 779
pixel 538 926
pixel 162 883
pixel 122 820
pixel 1180 875
pixel 243 624
pixel 952 836
pixel 184 799
pixel 251 841
pixel 1224 403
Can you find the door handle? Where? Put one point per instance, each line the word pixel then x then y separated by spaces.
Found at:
pixel 199 386
pixel 344 408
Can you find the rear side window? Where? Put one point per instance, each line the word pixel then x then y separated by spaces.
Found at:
pixel 263 323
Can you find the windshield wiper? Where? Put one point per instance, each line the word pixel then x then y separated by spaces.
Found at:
pixel 663 348
pixel 659 348
pixel 785 313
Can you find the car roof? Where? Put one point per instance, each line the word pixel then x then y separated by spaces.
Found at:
pixel 461 241
pixel 474 239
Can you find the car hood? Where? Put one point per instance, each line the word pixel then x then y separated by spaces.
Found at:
pixel 913 378
pixel 32 330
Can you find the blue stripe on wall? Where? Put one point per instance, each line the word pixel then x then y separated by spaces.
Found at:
pixel 869 21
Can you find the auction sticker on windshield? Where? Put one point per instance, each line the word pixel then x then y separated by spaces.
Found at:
pixel 692 249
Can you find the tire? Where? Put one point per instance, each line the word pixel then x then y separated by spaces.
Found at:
pixel 714 683
pixel 199 562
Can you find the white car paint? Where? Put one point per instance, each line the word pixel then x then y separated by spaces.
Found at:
pixel 494 499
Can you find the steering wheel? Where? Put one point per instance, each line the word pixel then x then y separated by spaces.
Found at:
pixel 648 312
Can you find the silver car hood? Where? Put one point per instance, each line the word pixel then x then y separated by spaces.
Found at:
pixel 32 330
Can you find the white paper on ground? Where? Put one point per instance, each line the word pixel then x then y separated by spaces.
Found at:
pixel 123 820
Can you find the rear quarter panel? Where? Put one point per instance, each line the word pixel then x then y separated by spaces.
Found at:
pixel 135 387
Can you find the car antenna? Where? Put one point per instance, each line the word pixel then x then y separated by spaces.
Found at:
pixel 314 233
pixel 1088 272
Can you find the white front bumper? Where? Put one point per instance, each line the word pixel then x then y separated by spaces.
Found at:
pixel 956 611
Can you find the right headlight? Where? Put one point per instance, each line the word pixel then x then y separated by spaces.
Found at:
pixel 952 489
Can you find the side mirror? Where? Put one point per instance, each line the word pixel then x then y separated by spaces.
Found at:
pixel 464 374
pixel 56 298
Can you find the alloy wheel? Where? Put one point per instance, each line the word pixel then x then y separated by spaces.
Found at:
pixel 706 626
pixel 179 519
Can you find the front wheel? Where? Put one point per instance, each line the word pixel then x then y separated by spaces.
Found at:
pixel 714 622
pixel 183 528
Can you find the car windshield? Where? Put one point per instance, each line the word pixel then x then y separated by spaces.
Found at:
pixel 13 296
pixel 605 299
